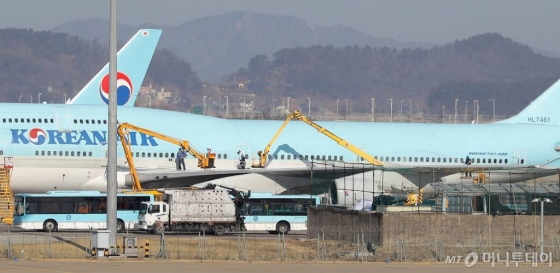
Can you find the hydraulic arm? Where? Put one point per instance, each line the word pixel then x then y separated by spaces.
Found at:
pixel 263 155
pixel 204 160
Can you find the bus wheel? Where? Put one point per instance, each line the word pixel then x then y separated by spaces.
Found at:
pixel 120 225
pixel 219 230
pixel 283 227
pixel 158 228
pixel 50 225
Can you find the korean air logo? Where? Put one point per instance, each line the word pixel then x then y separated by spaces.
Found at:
pixel 124 89
pixel 37 136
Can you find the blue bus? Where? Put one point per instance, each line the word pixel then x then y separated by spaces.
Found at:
pixel 74 210
pixel 278 213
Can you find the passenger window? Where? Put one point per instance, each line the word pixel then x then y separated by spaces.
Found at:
pixel 306 157
pixel 166 154
pixel 15 120
pixel 505 161
pixel 219 156
pixel 48 153
pixel 289 157
pixel 28 121
pixel 42 152
pixel 341 158
pixel 392 159
pixel 143 154
pixel 415 159
pixel 72 153
pixel 500 161
pixel 75 121
pixel 90 154
pixel 52 120
pixel 444 160
pixel 275 156
pixel 66 153
pixel 404 159
pixel 522 161
pixel 381 158
pixel 484 160
pixel 225 156
pixel 36 152
pixel 478 160
pixel 282 157
pixel 87 121
pixel 335 158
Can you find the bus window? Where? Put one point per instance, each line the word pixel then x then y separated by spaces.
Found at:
pixel 83 207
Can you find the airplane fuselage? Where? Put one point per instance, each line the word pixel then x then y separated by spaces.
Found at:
pixel 64 146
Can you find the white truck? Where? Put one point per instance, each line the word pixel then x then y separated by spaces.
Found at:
pixel 194 210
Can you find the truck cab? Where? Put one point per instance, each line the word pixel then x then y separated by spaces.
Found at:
pixel 153 216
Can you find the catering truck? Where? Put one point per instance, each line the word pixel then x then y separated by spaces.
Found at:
pixel 213 210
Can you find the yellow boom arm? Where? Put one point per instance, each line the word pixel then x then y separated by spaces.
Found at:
pixel 204 160
pixel 263 155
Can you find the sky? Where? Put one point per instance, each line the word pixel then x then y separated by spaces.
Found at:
pixel 534 23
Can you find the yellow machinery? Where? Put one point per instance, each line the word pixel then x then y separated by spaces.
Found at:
pixel 204 160
pixel 263 155
pixel 6 195
pixel 413 199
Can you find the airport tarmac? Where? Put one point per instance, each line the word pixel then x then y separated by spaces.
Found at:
pixel 170 266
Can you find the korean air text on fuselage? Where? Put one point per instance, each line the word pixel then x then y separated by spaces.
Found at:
pixel 39 136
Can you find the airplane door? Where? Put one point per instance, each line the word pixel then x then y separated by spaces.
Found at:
pixel 62 118
pixel 246 150
pixel 519 157
pixel 104 154
pixel 352 157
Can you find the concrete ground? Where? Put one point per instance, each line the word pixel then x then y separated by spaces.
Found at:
pixel 135 266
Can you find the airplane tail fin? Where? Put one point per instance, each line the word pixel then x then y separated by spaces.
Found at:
pixel 132 63
pixel 543 110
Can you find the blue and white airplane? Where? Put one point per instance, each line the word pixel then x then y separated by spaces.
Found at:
pixel 68 151
pixel 133 60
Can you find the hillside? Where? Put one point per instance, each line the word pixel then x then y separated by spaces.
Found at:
pixel 55 64
pixel 218 45
pixel 359 73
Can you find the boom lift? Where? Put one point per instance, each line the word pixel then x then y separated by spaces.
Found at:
pixel 205 161
pixel 263 155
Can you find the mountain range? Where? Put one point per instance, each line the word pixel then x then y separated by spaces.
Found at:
pixel 217 45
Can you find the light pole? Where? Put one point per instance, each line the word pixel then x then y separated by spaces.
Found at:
pixel 476 109
pixel 31 98
pixel 410 107
pixel 337 100
pixel 443 113
pixel 220 106
pixel 39 97
pixel 243 107
pixel 372 109
pixel 227 106
pixel 401 109
pixel 288 105
pixel 542 200
pixel 64 97
pixel 273 110
pixel 466 102
pixel 309 107
pixel 210 105
pixel 346 109
pixel 20 98
pixel 493 109
pixel 391 109
pixel 204 105
pixel 456 100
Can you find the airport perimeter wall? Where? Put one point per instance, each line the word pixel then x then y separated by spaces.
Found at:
pixel 430 229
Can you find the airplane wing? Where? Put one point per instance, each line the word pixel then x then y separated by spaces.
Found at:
pixel 172 178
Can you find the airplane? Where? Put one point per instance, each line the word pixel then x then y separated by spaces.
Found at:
pixel 133 60
pixel 68 152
